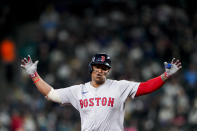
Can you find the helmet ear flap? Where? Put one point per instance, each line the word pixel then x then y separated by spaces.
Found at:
pixel 90 68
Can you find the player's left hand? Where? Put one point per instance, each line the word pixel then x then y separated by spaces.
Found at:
pixel 173 67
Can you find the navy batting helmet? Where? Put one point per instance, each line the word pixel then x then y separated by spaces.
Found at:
pixel 100 59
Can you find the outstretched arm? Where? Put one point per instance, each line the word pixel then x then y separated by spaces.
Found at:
pixel 43 87
pixel 155 83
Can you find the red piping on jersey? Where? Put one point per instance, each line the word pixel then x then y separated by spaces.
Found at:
pixel 149 86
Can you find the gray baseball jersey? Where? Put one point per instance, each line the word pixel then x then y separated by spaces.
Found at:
pixel 102 108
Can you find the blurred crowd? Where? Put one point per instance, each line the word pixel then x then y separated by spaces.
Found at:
pixel 138 40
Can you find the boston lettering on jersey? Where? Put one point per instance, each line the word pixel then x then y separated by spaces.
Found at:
pixel 98 101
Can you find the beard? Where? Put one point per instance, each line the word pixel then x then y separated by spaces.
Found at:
pixel 99 78
pixel 100 81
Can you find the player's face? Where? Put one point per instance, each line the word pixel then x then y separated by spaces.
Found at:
pixel 99 73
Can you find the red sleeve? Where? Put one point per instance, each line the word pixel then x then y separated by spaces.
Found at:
pixel 149 86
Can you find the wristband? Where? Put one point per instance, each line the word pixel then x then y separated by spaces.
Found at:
pixel 35 76
pixel 35 81
pixel 165 76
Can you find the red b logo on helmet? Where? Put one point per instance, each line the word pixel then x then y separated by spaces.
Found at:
pixel 102 58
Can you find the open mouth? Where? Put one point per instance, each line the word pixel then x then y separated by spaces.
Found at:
pixel 98 75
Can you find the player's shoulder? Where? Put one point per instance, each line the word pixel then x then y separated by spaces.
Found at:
pixel 73 87
pixel 110 81
pixel 122 82
pixel 115 82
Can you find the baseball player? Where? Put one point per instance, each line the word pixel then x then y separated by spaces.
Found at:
pixel 101 101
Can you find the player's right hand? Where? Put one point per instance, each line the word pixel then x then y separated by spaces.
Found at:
pixel 29 66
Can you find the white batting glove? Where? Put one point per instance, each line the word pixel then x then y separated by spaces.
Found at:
pixel 172 68
pixel 29 66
